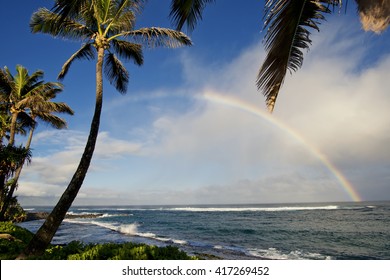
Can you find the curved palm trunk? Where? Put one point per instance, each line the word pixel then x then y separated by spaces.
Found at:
pixel 14 184
pixel 46 232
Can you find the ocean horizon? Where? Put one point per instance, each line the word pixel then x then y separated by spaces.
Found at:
pixel 314 231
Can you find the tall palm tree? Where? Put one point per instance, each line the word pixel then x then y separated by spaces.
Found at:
pixel 105 27
pixel 42 107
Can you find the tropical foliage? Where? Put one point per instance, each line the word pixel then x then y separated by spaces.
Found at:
pixel 13 239
pixel 287 36
pixel 24 98
pixel 11 159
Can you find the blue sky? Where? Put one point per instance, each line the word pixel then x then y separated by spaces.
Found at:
pixel 165 142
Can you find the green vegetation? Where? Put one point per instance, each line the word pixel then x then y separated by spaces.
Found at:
pixel 24 98
pixel 15 213
pixel 14 240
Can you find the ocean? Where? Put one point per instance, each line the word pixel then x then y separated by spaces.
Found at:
pixel 317 231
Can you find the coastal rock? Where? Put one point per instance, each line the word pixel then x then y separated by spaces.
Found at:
pixel 31 216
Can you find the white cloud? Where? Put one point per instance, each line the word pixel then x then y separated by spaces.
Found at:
pixel 218 154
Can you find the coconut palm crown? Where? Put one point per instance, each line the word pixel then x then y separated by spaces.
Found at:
pixel 22 92
pixel 105 27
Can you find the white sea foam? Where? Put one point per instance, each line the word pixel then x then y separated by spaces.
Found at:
pixel 274 254
pixel 100 215
pixel 129 229
pixel 178 241
pixel 114 215
pixel 83 213
pixel 253 209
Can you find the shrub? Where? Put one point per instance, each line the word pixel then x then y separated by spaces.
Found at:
pixel 75 250
pixel 10 249
pixel 130 251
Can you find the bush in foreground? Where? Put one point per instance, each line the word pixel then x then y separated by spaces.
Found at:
pixel 11 247
pixel 13 240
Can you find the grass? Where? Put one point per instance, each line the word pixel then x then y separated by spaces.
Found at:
pixel 75 250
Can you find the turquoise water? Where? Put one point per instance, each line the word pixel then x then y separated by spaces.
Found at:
pixel 279 231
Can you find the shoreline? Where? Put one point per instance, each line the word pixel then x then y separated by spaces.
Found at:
pixel 206 254
pixel 33 216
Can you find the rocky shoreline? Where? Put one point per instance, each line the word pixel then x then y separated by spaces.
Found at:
pixel 32 216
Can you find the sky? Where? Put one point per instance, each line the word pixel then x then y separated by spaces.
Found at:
pixel 193 129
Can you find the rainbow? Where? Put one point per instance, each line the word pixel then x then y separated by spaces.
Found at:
pixel 251 109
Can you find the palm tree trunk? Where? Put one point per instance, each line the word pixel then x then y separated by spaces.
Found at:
pixel 12 128
pixel 8 198
pixel 45 234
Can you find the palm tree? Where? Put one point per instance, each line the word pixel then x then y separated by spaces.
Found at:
pixel 40 106
pixel 20 92
pixel 17 93
pixel 105 27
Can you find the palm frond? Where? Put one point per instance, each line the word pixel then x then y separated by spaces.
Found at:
pixel 45 21
pixel 187 12
pixel 116 73
pixel 24 122
pixel 286 37
pixel 5 84
pixel 129 51
pixel 156 37
pixel 24 79
pixel 121 20
pixel 71 8
pixel 66 8
pixel 46 106
pixel 85 52
pixel 12 157
pixel 53 120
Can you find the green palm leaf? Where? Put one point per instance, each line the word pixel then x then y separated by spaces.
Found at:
pixel 67 8
pixel 187 11
pixel 55 121
pixel 5 84
pixel 116 73
pixel 286 37
pixel 45 21
pixel 129 51
pixel 85 52
pixel 156 37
